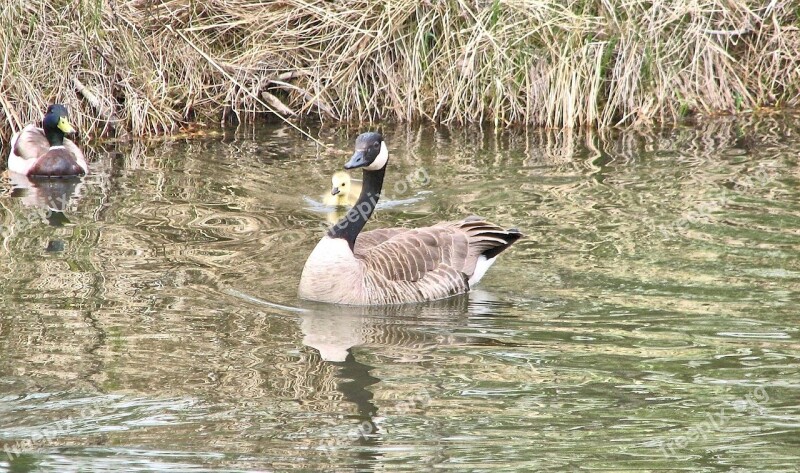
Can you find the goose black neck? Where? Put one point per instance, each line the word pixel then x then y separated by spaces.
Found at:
pixel 54 136
pixel 353 222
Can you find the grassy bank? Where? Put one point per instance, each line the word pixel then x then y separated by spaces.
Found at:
pixel 150 66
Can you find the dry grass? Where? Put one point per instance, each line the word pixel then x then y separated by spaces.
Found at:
pixel 151 66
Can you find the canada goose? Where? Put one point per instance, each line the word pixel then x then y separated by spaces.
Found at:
pixel 396 265
pixel 344 190
pixel 44 152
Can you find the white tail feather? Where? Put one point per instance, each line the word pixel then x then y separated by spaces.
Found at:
pixel 481 267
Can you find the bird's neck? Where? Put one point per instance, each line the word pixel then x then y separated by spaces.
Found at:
pixel 354 220
pixel 54 136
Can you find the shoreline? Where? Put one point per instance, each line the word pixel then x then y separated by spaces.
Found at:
pixel 155 68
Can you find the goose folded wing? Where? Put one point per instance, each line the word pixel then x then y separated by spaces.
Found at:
pixel 372 238
pixel 414 255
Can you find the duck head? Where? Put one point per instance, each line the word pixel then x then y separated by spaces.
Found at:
pixel 56 124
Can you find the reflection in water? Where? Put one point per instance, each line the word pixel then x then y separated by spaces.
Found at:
pixel 355 380
pixel 49 200
pixel 56 195
pixel 340 333
pixel 335 330
pixel 659 284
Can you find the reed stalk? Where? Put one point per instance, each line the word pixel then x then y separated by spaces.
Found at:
pixel 156 66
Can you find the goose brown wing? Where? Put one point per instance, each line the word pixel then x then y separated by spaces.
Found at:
pixel 372 238
pixel 416 265
pixel 31 143
pixel 409 254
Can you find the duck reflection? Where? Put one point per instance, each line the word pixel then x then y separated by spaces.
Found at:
pixel 49 198
pixel 54 196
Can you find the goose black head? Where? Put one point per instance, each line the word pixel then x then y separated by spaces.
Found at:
pixel 371 153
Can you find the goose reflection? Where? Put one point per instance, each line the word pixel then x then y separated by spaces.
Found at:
pixel 409 333
pixel 337 336
pixel 335 330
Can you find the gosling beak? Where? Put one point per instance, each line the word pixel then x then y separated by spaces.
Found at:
pixel 359 159
pixel 335 190
pixel 65 126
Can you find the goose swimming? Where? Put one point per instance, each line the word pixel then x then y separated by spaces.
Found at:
pixel 397 265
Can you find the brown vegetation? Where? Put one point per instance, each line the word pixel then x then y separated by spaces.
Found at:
pixel 152 66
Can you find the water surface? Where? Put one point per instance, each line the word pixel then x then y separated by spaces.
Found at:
pixel 149 319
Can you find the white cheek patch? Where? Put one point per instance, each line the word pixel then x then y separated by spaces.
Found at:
pixel 380 161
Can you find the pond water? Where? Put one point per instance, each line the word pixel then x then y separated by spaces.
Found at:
pixel 649 321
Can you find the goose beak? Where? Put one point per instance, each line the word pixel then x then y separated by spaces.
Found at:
pixel 359 159
pixel 335 190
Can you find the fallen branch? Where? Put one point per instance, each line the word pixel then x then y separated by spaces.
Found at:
pixel 276 103
pixel 308 96
pixel 91 97
pixel 289 75
pixel 233 80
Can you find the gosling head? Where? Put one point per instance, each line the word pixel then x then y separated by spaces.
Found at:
pixel 371 153
pixel 340 182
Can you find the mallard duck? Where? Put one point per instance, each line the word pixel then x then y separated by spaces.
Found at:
pixel 397 265
pixel 44 152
